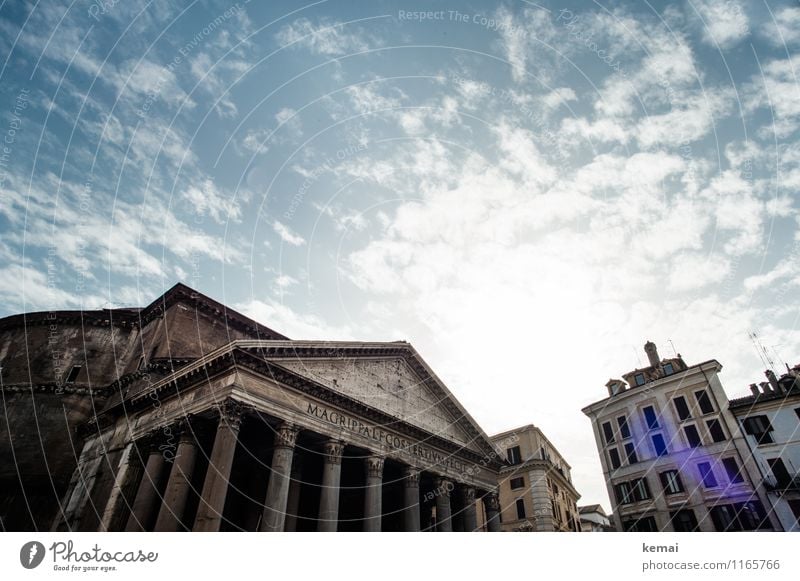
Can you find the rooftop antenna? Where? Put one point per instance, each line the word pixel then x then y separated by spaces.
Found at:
pixel 674 352
pixel 762 353
pixel 638 359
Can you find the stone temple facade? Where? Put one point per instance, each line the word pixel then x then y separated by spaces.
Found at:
pixel 186 415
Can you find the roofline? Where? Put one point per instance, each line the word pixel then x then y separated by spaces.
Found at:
pixel 139 315
pixel 657 383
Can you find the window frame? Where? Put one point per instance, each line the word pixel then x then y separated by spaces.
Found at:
pixel 664 450
pixel 734 476
pixel 510 455
pixel 608 434
pixel 709 475
pixel 692 427
pixel 715 421
pixel 624 427
pixel 520 506
pixel 611 453
pixel 630 451
pixel 650 419
pixel 677 409
pixel 516 480
pixel 701 395
pixel 671 481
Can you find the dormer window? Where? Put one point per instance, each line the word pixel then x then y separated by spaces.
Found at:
pixel 639 379
pixel 668 369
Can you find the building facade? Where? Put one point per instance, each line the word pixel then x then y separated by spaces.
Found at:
pixel 535 488
pixel 770 420
pixel 185 415
pixel 594 519
pixel 673 457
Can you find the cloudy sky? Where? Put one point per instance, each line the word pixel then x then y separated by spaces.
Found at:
pixel 525 192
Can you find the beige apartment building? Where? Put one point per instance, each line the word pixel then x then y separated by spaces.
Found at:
pixel 673 456
pixel 535 490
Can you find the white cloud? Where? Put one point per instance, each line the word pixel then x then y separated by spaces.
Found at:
pixel 724 22
pixel 287 235
pixel 784 30
pixel 206 199
pixel 286 321
pixel 329 38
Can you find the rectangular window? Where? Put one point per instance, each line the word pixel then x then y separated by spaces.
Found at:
pixel 622 492
pixel 630 454
pixel 707 475
pixel 741 516
pixel 692 437
pixel 639 378
pixel 73 373
pixel 650 417
pixel 520 508
pixel 797 411
pixel 779 471
pixel 704 401
pixel 608 432
pixel 668 369
pixel 514 455
pixel 682 408
pixel 613 455
pixel 645 524
pixel 732 470
pixel 684 521
pixel 517 483
pixel 715 430
pixel 640 489
pixel 659 445
pixel 624 430
pixel 760 428
pixel 671 481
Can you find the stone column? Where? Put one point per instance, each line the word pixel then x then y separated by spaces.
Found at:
pixel 373 494
pixel 215 487
pixel 331 477
pixel 144 504
pixel 180 481
pixel 444 522
pixel 492 512
pixel 411 498
pixel 470 517
pixel 280 475
pixel 114 498
pixel 293 504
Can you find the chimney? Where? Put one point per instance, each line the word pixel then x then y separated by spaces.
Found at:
pixel 754 389
pixel 765 387
pixel 652 353
pixel 773 381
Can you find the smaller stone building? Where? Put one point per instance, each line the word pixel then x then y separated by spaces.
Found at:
pixel 535 488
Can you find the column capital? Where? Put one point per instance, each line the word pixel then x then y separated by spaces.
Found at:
pixel 286 435
pixel 231 413
pixel 374 466
pixel 186 429
pixel 444 486
pixel 492 503
pixel 333 450
pixel 151 443
pixel 468 494
pixel 411 477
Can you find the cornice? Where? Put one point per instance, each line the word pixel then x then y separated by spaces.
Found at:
pixel 256 357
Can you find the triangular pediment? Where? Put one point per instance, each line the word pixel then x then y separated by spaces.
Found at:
pixel 391 385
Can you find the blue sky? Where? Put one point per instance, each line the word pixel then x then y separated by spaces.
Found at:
pixel 524 191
